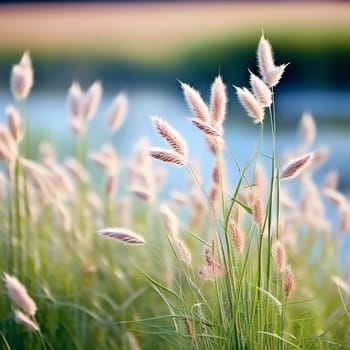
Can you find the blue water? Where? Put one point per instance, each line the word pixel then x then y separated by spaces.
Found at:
pixel 48 112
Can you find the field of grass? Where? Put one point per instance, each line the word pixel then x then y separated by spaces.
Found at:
pixel 253 264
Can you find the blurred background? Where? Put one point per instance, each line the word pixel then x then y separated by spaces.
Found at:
pixel 142 48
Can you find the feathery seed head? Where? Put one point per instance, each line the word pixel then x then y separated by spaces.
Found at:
pixel 75 97
pixel 250 104
pixel 288 281
pixel 270 73
pixel 218 101
pixel 8 146
pixel 169 219
pixel 295 167
pixel 25 321
pixel 279 256
pixel 237 237
pixel 167 156
pixel 92 100
pixel 182 251
pixel 258 212
pixel 14 123
pixel 122 234
pixel 205 127
pixel 118 112
pixel 195 102
pixel 261 91
pixel 19 295
pixel 170 135
pixel 265 58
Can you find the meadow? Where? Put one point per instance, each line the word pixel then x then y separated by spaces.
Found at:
pixel 243 260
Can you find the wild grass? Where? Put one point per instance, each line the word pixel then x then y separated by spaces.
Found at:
pixel 247 265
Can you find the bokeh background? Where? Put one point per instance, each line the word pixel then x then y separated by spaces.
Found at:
pixel 142 48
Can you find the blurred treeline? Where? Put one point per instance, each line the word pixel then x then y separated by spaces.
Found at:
pixel 317 61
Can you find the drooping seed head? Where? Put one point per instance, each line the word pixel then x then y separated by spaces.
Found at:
pixel 167 156
pixel 205 127
pixel 296 166
pixel 19 295
pixel 21 80
pixel 122 234
pixel 25 321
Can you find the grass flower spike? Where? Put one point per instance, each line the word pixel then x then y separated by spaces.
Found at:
pixel 270 73
pixel 295 167
pixel 122 234
pixel 21 80
pixel 167 156
pixel 19 295
pixel 118 112
pixel 195 102
pixel 251 105
pixel 25 321
pixel 170 135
